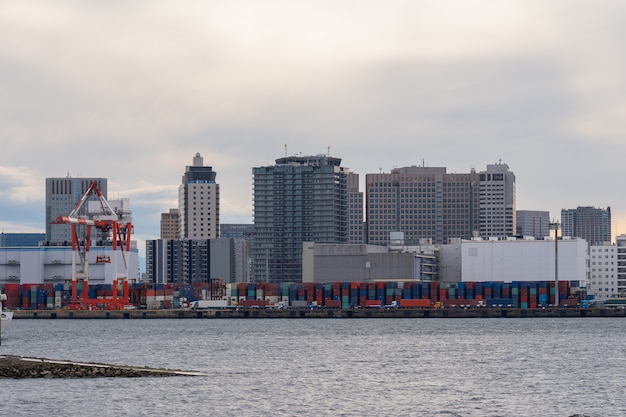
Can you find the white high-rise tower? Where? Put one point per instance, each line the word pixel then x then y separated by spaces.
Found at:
pixel 199 202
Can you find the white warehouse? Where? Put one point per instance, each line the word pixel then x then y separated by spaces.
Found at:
pixel 524 260
pixel 53 264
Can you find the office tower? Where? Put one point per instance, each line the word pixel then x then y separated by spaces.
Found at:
pixel 533 223
pixel 589 223
pixel 497 202
pixel 199 202
pixel 425 203
pixel 299 199
pixel 170 224
pixel 356 227
pixel 62 195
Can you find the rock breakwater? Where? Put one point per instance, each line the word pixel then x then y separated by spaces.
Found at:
pixel 23 367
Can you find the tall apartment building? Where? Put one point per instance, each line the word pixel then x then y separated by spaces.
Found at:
pixel 589 223
pixel 356 226
pixel 199 202
pixel 62 195
pixel 425 203
pixel 603 271
pixel 299 199
pixel 186 261
pixel 533 223
pixel 497 202
pixel 170 224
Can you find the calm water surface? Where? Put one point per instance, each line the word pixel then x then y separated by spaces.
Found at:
pixel 328 367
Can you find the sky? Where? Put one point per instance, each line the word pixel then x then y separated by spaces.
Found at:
pixel 131 90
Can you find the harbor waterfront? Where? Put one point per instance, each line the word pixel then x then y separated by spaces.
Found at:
pixel 319 313
pixel 282 367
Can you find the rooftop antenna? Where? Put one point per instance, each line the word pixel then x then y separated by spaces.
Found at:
pixel 328 151
pixel 285 150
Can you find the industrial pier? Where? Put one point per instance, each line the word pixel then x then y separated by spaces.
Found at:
pixel 336 313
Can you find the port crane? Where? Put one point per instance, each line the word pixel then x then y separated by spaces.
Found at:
pixel 116 227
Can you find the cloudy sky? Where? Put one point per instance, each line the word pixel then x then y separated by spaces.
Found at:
pixel 131 90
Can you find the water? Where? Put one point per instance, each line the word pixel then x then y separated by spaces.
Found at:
pixel 328 367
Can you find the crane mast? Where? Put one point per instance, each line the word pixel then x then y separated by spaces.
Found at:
pixel 116 227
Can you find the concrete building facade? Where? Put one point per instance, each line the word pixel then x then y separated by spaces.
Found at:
pixel 170 224
pixel 523 260
pixel 300 198
pixel 590 223
pixel 185 261
pixel 199 202
pixel 53 264
pixel 422 203
pixel 620 243
pixel 497 202
pixel 533 223
pixel 62 196
pixel 476 260
pixel 603 271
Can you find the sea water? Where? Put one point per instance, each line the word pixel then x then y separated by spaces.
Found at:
pixel 327 367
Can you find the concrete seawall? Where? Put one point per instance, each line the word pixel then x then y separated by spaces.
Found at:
pixel 321 313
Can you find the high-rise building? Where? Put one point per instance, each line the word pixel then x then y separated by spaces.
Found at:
pixel 497 202
pixel 356 226
pixel 186 261
pixel 589 223
pixel 62 196
pixel 170 224
pixel 533 223
pixel 299 199
pixel 199 202
pixel 426 204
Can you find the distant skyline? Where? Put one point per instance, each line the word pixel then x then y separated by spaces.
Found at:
pixel 131 91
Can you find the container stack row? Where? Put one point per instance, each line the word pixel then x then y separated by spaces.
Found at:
pixel 408 294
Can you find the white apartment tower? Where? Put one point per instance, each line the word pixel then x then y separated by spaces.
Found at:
pixel 199 202
pixel 497 202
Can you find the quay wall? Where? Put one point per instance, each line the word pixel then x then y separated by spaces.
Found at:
pixel 321 313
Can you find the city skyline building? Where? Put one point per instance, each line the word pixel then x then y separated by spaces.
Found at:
pixel 533 223
pixel 300 198
pixel 603 271
pixel 356 226
pixel 497 202
pixel 590 223
pixel 170 224
pixel 62 196
pixel 424 203
pixel 199 202
pixel 186 261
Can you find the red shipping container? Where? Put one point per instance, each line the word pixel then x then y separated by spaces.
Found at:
pixel 333 303
pixel 414 303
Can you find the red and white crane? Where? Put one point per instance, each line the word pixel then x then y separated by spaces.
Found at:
pixel 116 226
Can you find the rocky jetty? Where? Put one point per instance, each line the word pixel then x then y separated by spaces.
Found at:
pixel 24 367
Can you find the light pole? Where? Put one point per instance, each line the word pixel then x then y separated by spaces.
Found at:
pixel 555 225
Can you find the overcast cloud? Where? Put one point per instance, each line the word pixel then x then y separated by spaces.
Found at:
pixel 131 90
